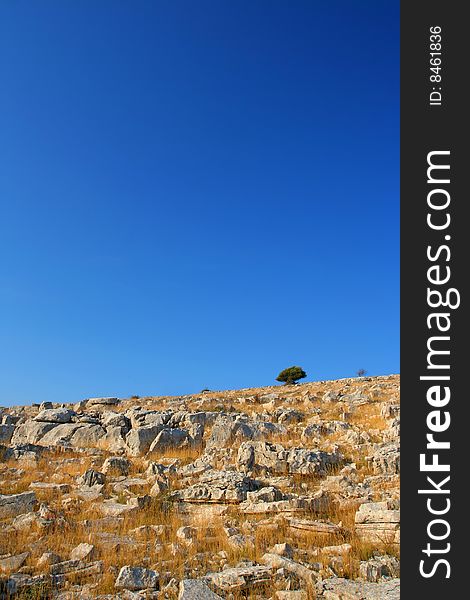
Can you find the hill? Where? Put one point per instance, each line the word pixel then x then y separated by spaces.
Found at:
pixel 285 492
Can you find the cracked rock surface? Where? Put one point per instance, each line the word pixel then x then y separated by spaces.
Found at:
pixel 285 492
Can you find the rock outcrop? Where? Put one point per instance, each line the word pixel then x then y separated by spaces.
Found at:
pixel 207 496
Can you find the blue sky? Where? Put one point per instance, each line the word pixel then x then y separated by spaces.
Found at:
pixel 196 194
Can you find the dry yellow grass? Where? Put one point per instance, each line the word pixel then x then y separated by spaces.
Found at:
pixel 154 549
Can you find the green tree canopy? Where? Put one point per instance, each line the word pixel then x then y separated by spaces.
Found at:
pixel 291 375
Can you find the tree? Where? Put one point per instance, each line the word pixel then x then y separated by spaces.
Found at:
pixel 361 372
pixel 291 375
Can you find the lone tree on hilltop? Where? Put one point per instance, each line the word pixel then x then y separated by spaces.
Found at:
pixel 361 372
pixel 291 375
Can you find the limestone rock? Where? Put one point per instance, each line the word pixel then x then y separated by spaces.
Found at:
pixel 91 478
pixel 168 439
pixel 219 486
pixel 6 433
pixel 55 415
pixel 136 578
pixel 31 432
pixel 378 522
pixel 13 563
pixel 379 568
pixel 275 561
pixel 241 578
pixel 60 435
pixel 336 588
pixel 16 504
pixel 98 402
pixel 139 440
pixel 83 551
pixel 194 589
pixel 87 436
pixel 116 465
pixel 386 459
pixel 226 430
pixel 276 459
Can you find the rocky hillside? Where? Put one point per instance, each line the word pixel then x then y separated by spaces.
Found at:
pixel 287 492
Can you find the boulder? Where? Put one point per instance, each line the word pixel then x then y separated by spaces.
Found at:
pixel 386 459
pixel 113 440
pixel 60 435
pixel 337 588
pixel 226 430
pixel 87 436
pixel 379 568
pixel 6 433
pixel 111 508
pixel 169 439
pixel 220 487
pixel 275 459
pixel 136 578
pixel 45 405
pixel 83 551
pixel 308 575
pixel 47 559
pixel 98 402
pixel 31 432
pixel 378 523
pixel 112 419
pixel 13 563
pixel 91 478
pixel 116 465
pixel 16 504
pixel 139 440
pixel 194 589
pixel 55 415
pixel 241 578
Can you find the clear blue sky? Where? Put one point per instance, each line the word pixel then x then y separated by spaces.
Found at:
pixel 196 194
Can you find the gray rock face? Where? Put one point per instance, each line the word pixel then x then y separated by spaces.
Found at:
pixel 112 419
pixel 87 436
pixel 13 563
pixel 331 396
pixel 113 440
pixel 227 430
pixel 386 460
pixel 97 402
pixel 31 432
pixel 379 568
pixel 378 522
pixel 26 453
pixel 55 415
pixel 91 478
pixel 220 487
pixel 275 561
pixel 60 435
pixel 266 494
pixel 45 405
pixel 116 465
pixel 16 504
pixel 274 458
pixel 136 578
pixel 83 551
pixel 169 438
pixel 241 578
pixel 139 440
pixel 228 497
pixel 194 589
pixel 337 588
pixel 75 569
pixel 6 433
